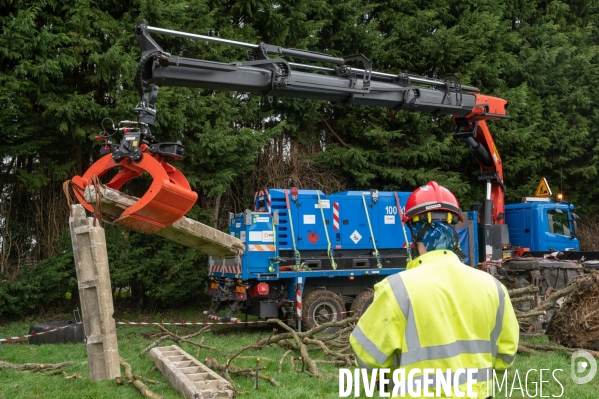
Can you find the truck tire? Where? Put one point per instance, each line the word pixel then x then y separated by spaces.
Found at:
pixel 73 332
pixel 362 302
pixel 321 307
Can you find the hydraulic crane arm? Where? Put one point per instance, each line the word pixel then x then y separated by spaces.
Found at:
pixel 340 84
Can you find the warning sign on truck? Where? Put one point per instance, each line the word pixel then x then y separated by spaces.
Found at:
pixel 543 189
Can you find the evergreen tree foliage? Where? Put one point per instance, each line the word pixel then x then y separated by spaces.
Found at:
pixel 67 65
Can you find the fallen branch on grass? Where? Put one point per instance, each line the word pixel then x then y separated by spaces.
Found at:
pixel 212 363
pixel 312 367
pixel 283 358
pixel 174 337
pixel 551 348
pixel 154 344
pixel 253 357
pixel 34 366
pixel 136 382
pixel 346 358
pixel 145 379
pixel 528 351
pixel 186 338
pixel 300 341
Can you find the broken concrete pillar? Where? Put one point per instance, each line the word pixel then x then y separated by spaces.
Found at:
pixel 95 293
pixel 189 376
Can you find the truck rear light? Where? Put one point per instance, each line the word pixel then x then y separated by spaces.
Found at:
pixel 260 289
pixel 239 296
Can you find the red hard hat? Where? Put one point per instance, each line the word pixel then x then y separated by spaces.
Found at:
pixel 431 198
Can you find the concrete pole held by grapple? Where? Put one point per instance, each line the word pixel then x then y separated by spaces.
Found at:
pixel 95 293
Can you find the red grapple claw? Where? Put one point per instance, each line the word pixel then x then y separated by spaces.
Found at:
pixel 168 199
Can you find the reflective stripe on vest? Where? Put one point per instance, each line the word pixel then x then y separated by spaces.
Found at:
pixel 415 353
pixel 403 300
pixel 445 351
pixel 498 319
pixel 362 363
pixel 498 327
pixel 369 346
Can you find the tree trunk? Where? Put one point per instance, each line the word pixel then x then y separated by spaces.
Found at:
pixel 216 209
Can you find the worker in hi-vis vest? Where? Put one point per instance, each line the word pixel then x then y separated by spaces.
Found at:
pixel 440 313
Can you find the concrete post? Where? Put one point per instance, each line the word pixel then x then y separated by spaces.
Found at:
pixel 93 278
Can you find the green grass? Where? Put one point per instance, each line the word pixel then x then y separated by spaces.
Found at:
pixel 227 340
pixel 552 361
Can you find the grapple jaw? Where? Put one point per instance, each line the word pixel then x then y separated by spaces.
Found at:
pixel 168 198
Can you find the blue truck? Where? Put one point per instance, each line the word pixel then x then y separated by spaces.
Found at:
pixel 541 226
pixel 310 257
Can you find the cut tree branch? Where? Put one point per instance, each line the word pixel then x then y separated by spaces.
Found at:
pixel 526 290
pixel 140 386
pixel 34 366
pixel 250 373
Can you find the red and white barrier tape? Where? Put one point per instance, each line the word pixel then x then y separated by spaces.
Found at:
pixel 141 323
pixel 36 334
pixel 204 323
pixel 187 323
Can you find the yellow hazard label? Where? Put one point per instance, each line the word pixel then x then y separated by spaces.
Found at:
pixel 134 144
pixel 543 189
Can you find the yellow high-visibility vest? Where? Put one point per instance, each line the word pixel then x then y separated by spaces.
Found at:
pixel 439 314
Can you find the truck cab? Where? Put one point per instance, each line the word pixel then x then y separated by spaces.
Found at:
pixel 542 225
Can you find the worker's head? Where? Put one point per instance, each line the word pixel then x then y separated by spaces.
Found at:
pixel 431 213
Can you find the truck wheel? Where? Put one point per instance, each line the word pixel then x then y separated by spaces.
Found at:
pixel 322 307
pixel 362 302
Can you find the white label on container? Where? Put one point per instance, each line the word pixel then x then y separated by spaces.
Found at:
pixel 324 204
pixel 267 236
pixel 355 236
pixel 262 219
pixel 309 219
pixel 255 236
pixel 242 236
pixel 488 252
pixel 389 219
pixel 232 233
pixel 238 224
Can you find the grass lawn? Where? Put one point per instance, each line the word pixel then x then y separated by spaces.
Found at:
pixel 227 340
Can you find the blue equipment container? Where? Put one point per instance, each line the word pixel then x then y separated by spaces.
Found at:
pixel 330 249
